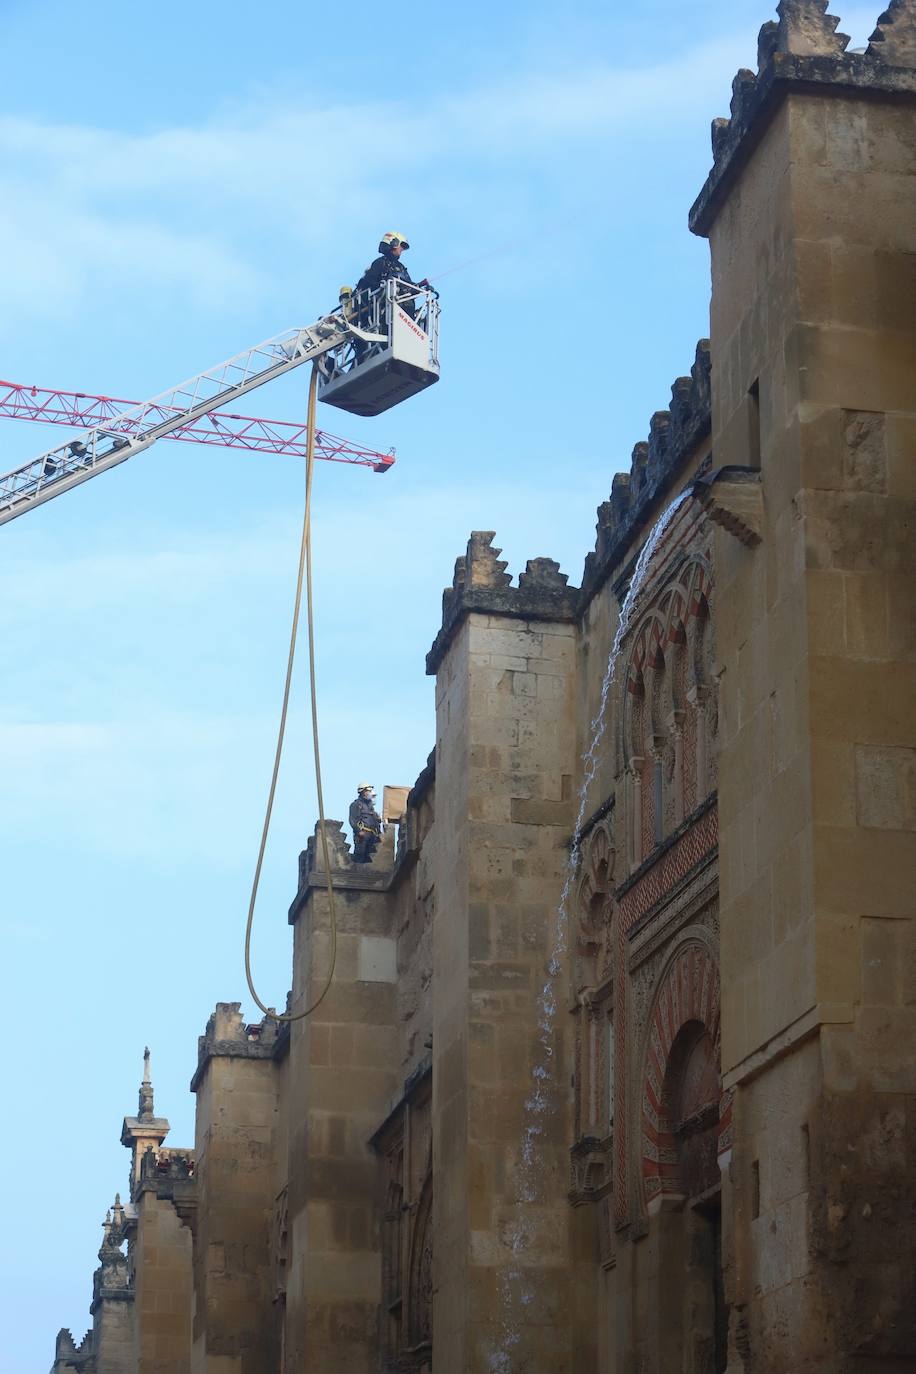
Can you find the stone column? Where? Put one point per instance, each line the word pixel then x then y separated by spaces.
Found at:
pixel 635 771
pixel 676 726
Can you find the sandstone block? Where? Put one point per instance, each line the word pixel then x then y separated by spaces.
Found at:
pixel 885 783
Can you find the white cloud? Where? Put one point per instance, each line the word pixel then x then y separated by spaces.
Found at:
pixel 88 211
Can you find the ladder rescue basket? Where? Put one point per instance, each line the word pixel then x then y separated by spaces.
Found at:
pixel 391 353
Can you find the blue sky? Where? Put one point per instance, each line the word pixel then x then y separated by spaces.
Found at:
pixel 179 182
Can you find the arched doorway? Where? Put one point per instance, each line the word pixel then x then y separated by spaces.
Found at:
pixel 683 1122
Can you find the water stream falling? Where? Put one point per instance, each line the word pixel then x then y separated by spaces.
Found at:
pixel 515 1293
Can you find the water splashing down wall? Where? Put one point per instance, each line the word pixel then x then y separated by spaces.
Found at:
pixel 515 1293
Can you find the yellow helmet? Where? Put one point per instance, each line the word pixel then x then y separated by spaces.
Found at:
pixel 391 240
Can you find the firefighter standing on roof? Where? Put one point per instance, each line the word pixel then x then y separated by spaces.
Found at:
pixel 366 824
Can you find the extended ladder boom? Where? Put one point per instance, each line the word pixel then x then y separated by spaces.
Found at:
pixel 136 429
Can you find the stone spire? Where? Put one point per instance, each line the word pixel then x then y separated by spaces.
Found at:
pixel 111 1279
pixel 894 38
pixel 145 1130
pixel 146 1112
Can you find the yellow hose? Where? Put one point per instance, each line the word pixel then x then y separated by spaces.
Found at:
pixel 305 565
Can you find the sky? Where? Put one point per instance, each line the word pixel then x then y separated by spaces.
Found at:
pixel 177 183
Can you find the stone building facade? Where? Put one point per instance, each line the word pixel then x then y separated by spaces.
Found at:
pixel 617 1071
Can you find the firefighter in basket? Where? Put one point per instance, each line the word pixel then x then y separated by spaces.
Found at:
pixel 387 265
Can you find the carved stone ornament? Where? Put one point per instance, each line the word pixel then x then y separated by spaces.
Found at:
pixel 420 1313
pixel 589 1169
pixel 596 885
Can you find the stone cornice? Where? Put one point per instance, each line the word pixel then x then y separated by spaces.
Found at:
pixel 143 1128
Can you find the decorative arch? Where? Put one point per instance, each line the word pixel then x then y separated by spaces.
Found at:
pixel 598 863
pixel 420 1292
pixel 698 623
pixel 684 1115
pixel 634 703
pixel 676 650
pixel 667 711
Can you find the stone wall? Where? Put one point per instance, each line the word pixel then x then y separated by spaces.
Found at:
pixel 506 1253
pixel 161 1260
pixel 809 211
pixel 615 1070
pixel 343 1078
pixel 236 1144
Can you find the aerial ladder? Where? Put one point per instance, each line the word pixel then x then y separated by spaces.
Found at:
pixel 375 350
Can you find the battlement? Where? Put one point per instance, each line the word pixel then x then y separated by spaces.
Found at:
pixel 804 51
pixel 481 583
pixel 345 872
pixel 171 1164
pixel 674 435
pixel 399 846
pixel 228 1036
pixel 69 1355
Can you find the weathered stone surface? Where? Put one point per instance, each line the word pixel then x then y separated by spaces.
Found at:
pixel 733 499
pixel 481 584
pixel 801 52
pixel 805 27
pixel 615 1070
pixel 674 437
pixel 894 38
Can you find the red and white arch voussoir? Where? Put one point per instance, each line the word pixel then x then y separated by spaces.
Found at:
pixel 689 992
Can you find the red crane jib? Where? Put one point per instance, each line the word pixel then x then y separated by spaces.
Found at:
pixel 80 410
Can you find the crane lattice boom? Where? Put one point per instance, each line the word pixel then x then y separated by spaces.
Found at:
pixel 81 410
pixel 131 431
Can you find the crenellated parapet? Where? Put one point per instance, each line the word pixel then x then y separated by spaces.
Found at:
pixel 346 874
pixel 803 50
pixel 482 585
pixel 170 1175
pixel 674 435
pixel 894 39
pixel 311 860
pixel 228 1036
pixel 69 1355
pixel 170 1165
